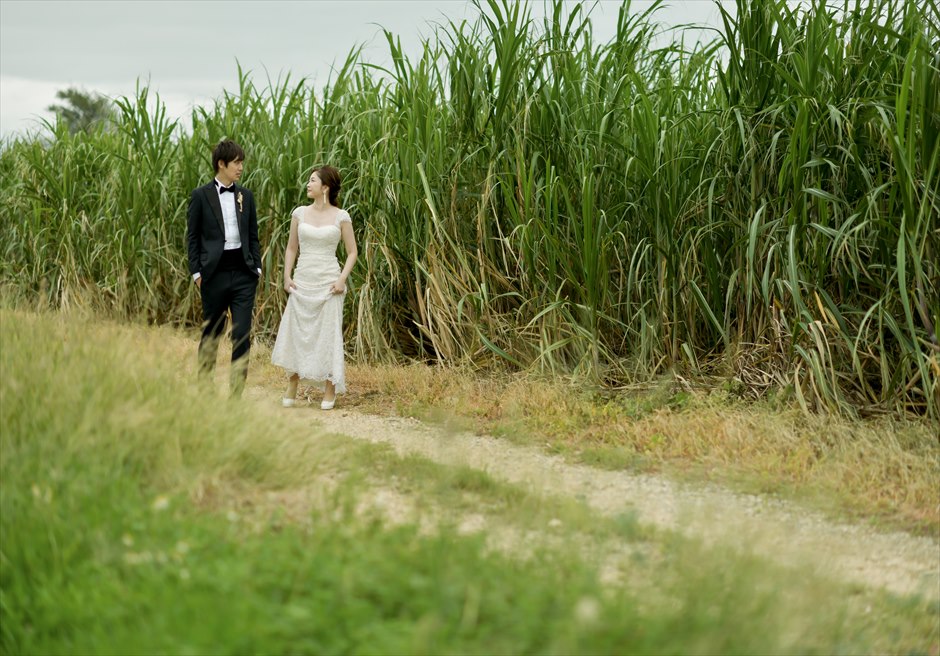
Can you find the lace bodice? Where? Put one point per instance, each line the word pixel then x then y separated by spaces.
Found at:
pixel 319 241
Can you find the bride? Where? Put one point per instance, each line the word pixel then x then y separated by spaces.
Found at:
pixel 309 342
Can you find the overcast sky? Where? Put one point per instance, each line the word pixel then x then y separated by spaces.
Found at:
pixel 187 49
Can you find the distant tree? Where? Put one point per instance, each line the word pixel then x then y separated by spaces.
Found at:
pixel 83 110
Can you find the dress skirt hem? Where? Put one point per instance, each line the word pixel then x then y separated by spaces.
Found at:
pixel 319 381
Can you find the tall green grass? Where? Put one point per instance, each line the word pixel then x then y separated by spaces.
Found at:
pixel 762 208
pixel 118 484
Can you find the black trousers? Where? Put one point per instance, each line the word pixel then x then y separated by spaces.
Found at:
pixel 232 288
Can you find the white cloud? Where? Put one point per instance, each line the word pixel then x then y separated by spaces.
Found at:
pixel 23 103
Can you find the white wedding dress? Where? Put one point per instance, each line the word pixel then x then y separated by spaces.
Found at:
pixel 310 338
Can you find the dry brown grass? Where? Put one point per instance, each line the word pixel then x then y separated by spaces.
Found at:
pixel 883 469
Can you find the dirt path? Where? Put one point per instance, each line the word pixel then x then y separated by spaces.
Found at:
pixel 767 527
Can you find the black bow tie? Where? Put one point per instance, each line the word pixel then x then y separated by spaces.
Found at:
pixel 222 190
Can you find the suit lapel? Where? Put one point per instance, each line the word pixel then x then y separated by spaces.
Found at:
pixel 212 195
pixel 239 214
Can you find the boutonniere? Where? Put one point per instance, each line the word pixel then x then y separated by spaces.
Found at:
pixel 239 201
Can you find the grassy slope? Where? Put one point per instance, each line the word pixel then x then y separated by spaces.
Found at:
pixel 120 534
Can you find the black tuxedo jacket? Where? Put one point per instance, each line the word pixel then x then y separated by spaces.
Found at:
pixel 205 234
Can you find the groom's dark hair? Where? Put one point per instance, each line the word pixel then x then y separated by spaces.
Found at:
pixel 226 151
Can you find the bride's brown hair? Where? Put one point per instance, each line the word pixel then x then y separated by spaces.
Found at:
pixel 329 176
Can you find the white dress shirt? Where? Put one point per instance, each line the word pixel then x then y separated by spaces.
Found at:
pixel 233 239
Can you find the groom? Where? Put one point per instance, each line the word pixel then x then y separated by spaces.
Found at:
pixel 225 259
